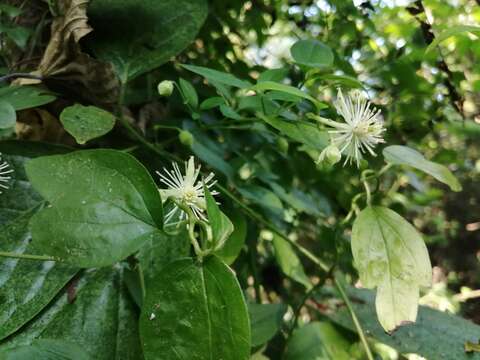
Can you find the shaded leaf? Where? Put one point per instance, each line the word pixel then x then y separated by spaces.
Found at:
pixel 189 93
pixel 195 311
pixel 86 122
pixel 319 341
pixel 101 319
pixel 8 117
pixel 221 225
pixel 218 76
pixel 435 335
pixel 289 262
pixel 270 85
pixel 265 320
pixel 403 155
pixel 157 31
pixel 390 255
pixel 301 131
pixel 46 350
pixel 25 97
pixel 26 287
pixel 232 247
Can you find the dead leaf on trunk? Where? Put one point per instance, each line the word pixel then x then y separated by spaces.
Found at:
pixel 66 67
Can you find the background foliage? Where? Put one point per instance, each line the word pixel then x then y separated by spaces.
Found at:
pixel 90 75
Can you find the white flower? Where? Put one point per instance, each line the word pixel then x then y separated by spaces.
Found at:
pixel 362 129
pixel 186 189
pixel 4 174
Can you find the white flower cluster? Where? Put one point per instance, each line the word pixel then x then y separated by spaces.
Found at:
pixel 186 189
pixel 5 172
pixel 361 132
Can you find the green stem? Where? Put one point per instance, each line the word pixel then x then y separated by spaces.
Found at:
pixel 273 228
pixel 26 256
pixel 267 224
pixel 357 324
pixel 367 192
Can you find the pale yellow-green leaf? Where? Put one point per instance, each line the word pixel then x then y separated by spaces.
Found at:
pixel 390 254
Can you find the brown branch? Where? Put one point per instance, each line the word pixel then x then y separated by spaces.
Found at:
pixel 416 10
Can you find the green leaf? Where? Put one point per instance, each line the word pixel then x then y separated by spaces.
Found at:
pixel 25 97
pixel 312 53
pixel 319 341
pixel 234 244
pixel 276 75
pixel 157 31
pixel 403 155
pixel 301 131
pixel 218 76
pixel 265 320
pixel 452 31
pixel 86 122
pixel 287 89
pixel 95 311
pixel 9 10
pixel 435 335
pixel 105 205
pixel 26 287
pixel 195 311
pixel 289 262
pixel 19 35
pixel 45 350
pixel 189 93
pixel 8 116
pixel 221 225
pixel 158 252
pixel 211 103
pixel 390 255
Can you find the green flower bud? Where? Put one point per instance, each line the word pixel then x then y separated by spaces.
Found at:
pixel 186 138
pixel 331 154
pixel 282 144
pixel 165 88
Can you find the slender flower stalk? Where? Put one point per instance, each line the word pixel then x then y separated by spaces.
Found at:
pixel 5 172
pixel 186 189
pixel 362 130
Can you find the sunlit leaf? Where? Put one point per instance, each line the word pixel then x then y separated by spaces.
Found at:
pixel 391 256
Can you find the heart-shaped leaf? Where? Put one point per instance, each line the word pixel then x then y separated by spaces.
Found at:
pixel 86 122
pixel 104 206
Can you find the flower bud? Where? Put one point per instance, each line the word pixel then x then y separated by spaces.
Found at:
pixel 186 138
pixel 331 154
pixel 165 88
pixel 282 144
